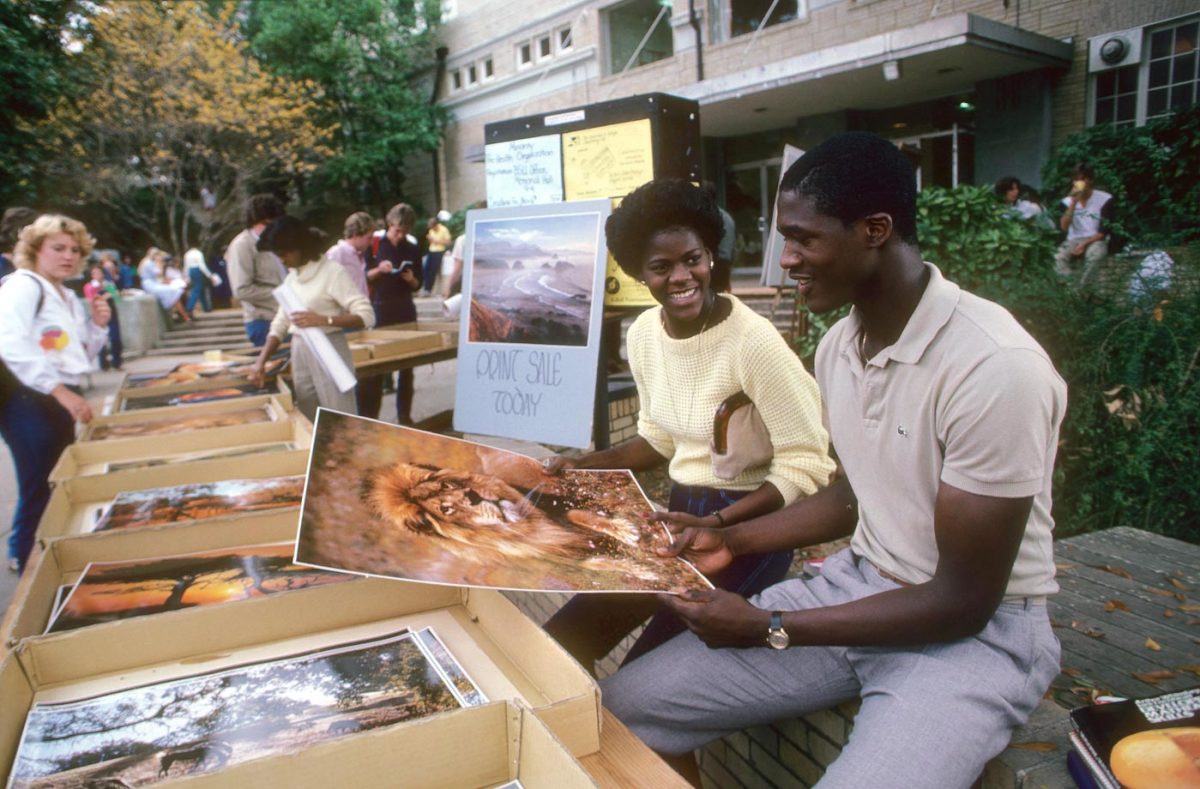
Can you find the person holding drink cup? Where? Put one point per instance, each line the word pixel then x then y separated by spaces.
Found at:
pixel 47 342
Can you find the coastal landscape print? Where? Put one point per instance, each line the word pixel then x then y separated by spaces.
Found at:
pixel 110 591
pixel 203 723
pixel 533 279
pixel 401 503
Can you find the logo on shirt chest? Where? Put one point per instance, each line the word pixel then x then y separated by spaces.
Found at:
pixel 54 338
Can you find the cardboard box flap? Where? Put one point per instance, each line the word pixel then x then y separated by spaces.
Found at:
pixel 16 691
pixel 91 457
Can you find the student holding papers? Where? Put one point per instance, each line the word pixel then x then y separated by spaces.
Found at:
pixel 333 302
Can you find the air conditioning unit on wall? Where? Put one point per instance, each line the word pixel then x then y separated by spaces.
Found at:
pixel 1116 49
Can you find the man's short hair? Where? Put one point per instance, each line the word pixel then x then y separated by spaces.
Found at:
pixel 14 219
pixel 402 214
pixel 358 224
pixel 854 175
pixel 262 208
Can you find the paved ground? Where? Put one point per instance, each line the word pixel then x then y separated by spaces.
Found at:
pixel 434 393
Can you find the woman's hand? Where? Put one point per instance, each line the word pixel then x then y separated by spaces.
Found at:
pixel 101 313
pixel 257 375
pixel 703 547
pixel 75 405
pixel 306 319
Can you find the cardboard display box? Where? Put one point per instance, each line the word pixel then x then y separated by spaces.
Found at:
pixel 87 457
pixel 201 438
pixel 125 399
pixel 474 747
pixel 505 653
pixel 386 343
pixel 76 500
pixel 63 560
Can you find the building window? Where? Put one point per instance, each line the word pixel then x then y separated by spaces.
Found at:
pixel 456 79
pixel 1172 74
pixel 564 39
pixel 544 50
pixel 637 32
pixel 472 75
pixel 524 54
pixel 1163 79
pixel 746 15
pixel 1116 96
pixel 489 69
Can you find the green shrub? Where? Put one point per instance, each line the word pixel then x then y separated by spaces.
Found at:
pixel 1151 172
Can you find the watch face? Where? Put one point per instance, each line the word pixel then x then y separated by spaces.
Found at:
pixel 778 639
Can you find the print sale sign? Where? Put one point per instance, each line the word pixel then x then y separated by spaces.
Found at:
pixel 530 334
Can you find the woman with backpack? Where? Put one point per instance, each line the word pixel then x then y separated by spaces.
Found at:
pixel 47 342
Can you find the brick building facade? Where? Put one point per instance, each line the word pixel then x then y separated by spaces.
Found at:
pixel 975 88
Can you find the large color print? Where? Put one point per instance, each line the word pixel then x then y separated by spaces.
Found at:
pixel 203 723
pixel 396 502
pixel 532 278
pixel 200 501
pixel 110 591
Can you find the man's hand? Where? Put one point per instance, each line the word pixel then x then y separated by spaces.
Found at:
pixel 407 275
pixel 1079 249
pixel 101 312
pixel 720 618
pixel 558 464
pixel 705 548
pixel 385 267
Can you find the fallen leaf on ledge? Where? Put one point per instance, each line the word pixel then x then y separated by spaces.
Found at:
pixel 1178 584
pixel 1071 672
pixel 1153 677
pixel 1115 605
pixel 1190 608
pixel 1153 645
pixel 1192 669
pixel 1121 571
pixel 1168 613
pixel 1083 627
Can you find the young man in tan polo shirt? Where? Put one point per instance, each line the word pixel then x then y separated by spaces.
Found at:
pixel 944 414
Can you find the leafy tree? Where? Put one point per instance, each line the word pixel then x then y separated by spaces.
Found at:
pixel 35 71
pixel 369 67
pixel 177 108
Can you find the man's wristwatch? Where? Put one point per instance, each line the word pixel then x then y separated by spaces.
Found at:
pixel 777 637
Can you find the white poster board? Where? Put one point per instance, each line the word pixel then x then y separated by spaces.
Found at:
pixel 524 172
pixel 772 273
pixel 533 300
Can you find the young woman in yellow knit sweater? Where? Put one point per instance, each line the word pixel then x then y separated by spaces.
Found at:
pixel 687 356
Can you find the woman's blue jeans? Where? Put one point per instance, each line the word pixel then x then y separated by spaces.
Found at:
pixel 37 430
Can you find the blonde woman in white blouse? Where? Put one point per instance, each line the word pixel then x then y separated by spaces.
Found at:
pixel 47 342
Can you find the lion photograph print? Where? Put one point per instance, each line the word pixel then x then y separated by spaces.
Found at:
pixel 400 503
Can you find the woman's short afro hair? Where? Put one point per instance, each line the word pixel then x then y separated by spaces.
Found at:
pixel 856 174
pixel 655 206
pixel 288 233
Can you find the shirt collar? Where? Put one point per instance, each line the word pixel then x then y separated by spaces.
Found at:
pixel 933 311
